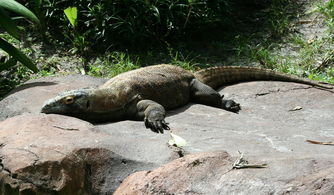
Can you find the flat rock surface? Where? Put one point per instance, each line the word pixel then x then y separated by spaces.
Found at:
pixel 266 131
pixel 30 96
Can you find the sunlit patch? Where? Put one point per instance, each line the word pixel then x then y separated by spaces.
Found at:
pixel 68 100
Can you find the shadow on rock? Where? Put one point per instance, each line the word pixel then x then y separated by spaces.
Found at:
pixel 30 85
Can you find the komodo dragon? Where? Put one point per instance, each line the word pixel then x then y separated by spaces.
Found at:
pixel 145 93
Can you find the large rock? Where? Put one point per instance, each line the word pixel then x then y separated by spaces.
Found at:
pixel 103 155
pixel 265 130
pixel 48 154
pixel 30 96
pixel 212 173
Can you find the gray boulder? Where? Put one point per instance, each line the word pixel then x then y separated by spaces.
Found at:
pixel 30 96
pixel 63 155
pixel 55 154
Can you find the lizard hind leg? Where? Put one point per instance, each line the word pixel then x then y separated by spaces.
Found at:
pixel 204 94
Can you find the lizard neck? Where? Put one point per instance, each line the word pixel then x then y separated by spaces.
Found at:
pixel 104 105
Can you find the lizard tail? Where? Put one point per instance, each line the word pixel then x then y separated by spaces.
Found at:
pixel 223 75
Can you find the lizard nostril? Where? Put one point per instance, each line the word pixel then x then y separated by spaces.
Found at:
pixel 44 109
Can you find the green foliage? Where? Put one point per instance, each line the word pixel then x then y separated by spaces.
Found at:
pixel 14 77
pixel 241 45
pixel 8 25
pixel 135 23
pixel 78 40
pixel 178 59
pixel 19 9
pixel 16 55
pixel 313 59
pixel 71 14
pixel 326 76
pixel 278 17
pixel 287 51
pixel 327 9
pixel 264 57
pixel 112 64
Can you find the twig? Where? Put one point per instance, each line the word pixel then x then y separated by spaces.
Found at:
pixel 64 128
pixel 242 163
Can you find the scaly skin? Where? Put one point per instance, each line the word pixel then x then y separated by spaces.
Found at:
pixel 218 76
pixel 145 93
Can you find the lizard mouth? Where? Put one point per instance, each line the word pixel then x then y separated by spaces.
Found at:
pixel 45 109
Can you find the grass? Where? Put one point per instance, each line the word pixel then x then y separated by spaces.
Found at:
pixel 112 64
pixel 117 62
pixel 327 10
pixel 312 58
pixel 279 19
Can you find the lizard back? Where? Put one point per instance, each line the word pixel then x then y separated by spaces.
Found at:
pixel 166 84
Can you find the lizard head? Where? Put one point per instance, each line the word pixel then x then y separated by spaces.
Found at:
pixel 68 103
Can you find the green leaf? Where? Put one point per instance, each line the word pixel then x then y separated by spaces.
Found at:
pixel 17 54
pixel 8 24
pixel 71 14
pixel 19 9
pixel 9 63
pixel 38 3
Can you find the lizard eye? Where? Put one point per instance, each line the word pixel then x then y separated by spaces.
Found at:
pixel 68 100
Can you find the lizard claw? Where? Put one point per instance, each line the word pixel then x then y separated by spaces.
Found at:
pixel 231 105
pixel 156 123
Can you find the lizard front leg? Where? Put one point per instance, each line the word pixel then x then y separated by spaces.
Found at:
pixel 153 115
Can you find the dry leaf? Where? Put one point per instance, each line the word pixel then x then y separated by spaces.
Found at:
pixel 321 143
pixel 177 140
pixel 296 108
